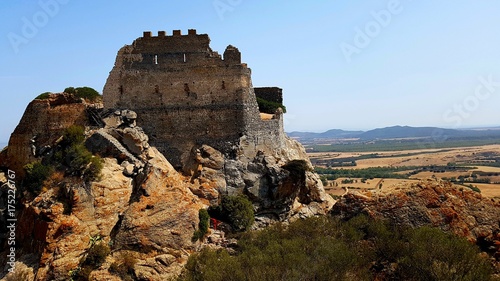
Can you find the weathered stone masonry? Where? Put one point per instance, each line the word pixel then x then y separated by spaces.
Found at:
pixel 186 95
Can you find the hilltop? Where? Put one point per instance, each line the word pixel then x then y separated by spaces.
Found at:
pixel 400 132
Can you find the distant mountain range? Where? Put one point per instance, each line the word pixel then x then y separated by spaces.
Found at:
pixel 396 132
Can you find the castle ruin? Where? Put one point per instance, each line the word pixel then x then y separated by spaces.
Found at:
pixel 186 95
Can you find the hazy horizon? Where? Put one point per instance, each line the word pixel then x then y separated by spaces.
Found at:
pixel 342 65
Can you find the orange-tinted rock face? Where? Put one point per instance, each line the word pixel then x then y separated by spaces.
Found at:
pixel 45 120
pixel 433 203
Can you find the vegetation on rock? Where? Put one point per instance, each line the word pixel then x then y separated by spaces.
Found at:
pixel 204 218
pixel 124 265
pixel 297 169
pixel 326 248
pixel 269 107
pixel 36 174
pixel 235 210
pixel 70 157
pixel 43 96
pixel 87 93
pixel 84 93
pixel 94 258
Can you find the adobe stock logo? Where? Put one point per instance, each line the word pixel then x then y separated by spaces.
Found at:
pixel 224 6
pixel 471 103
pixel 32 25
pixel 372 29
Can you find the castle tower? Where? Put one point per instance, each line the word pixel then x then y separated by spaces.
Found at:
pixel 186 95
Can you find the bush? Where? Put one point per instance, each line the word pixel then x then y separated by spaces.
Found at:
pixel 84 93
pixel 124 266
pixel 432 254
pixel 269 107
pixel 73 135
pixel 43 96
pixel 297 169
pixel 74 156
pixel 97 255
pixel 70 90
pixel 474 188
pixel 36 174
pixel 235 210
pixel 306 250
pixel 87 93
pixel 325 248
pixel 202 225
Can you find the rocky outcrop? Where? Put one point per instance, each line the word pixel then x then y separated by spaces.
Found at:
pixel 141 203
pixel 436 203
pixel 42 124
pixel 275 191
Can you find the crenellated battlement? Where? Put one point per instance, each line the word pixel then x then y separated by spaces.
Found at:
pixel 186 94
pixel 164 50
pixel 175 33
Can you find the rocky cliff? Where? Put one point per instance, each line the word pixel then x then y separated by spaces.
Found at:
pixel 179 128
pixel 141 209
pixel 41 125
pixel 140 204
pixel 435 203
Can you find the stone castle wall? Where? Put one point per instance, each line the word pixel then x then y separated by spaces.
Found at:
pixel 186 95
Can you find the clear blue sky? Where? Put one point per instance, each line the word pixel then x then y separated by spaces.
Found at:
pixel 342 64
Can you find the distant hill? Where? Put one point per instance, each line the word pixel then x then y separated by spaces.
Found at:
pixel 407 132
pixel 330 134
pixel 396 132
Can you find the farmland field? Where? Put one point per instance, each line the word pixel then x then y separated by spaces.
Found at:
pixel 476 167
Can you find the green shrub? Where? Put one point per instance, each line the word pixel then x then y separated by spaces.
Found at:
pixel 305 250
pixel 70 90
pixel 432 254
pixel 96 255
pixel 297 169
pixel 325 248
pixel 74 156
pixel 474 188
pixel 94 258
pixel 36 174
pixel 124 265
pixel 203 224
pixel 84 93
pixel 269 107
pixel 73 135
pixel 235 210
pixel 87 93
pixel 43 96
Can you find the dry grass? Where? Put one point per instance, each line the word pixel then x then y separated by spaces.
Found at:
pixel 425 157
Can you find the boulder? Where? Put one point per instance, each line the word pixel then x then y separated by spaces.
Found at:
pixel 104 144
pixel 134 139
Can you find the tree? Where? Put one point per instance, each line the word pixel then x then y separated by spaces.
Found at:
pixel 204 218
pixel 235 210
pixel 36 174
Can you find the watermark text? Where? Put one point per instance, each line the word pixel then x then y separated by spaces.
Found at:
pixel 32 25
pixel 11 220
pixel 224 6
pixel 364 36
